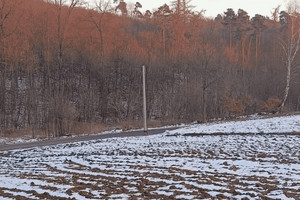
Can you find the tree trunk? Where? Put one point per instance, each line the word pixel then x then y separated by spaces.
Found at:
pixel 287 87
pixel 256 48
pixel 230 37
pixel 164 42
pixel 204 120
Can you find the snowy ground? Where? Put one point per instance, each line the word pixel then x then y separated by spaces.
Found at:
pixel 285 124
pixel 168 166
pixel 28 139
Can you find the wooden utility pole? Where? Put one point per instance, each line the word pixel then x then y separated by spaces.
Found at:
pixel 144 101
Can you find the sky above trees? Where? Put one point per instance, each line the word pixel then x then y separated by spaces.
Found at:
pixel 215 7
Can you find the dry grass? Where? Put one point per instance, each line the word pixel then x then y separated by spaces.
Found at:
pixel 89 128
pixel 83 128
pixel 27 132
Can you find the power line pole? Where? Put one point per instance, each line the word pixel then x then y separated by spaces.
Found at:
pixel 144 101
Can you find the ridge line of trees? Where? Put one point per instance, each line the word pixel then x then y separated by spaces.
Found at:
pixel 64 66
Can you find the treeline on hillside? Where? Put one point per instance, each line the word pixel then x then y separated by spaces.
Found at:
pixel 63 65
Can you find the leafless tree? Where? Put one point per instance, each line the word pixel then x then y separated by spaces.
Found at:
pixel 6 12
pixel 290 46
pixel 102 7
pixel 122 6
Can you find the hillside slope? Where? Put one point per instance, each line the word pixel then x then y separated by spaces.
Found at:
pixel 284 124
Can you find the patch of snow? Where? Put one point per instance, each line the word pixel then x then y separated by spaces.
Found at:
pixel 120 196
pixel 278 194
pixel 185 196
pixel 285 124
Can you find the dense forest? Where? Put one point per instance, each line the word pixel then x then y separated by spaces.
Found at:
pixel 64 65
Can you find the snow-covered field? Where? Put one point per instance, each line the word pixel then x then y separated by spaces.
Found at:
pixel 168 166
pixel 285 124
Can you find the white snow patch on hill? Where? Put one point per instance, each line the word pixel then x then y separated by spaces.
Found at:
pixel 285 124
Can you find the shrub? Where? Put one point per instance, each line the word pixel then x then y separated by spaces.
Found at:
pixel 231 105
pixel 270 105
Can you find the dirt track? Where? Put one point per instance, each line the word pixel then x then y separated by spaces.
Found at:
pixel 55 141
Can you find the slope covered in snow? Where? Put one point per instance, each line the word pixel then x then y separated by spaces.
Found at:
pixel 166 166
pixel 285 124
